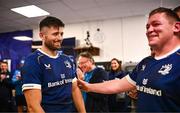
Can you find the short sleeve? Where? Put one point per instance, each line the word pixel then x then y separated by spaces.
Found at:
pixel 31 74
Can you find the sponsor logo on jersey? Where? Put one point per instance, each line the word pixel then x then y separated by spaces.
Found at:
pixel 67 64
pixel 165 69
pixel 47 66
pixel 60 82
pixel 149 90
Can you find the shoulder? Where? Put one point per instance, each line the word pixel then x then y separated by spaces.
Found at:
pixel 34 55
pixel 98 69
pixel 100 72
pixel 64 56
pixel 145 61
pixel 178 53
pixel 33 59
pixel 69 58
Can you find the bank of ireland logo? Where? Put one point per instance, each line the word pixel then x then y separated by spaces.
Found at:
pixel 165 69
pixel 144 82
pixel 47 66
pixel 67 64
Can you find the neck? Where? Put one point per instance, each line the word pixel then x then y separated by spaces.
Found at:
pixel 49 52
pixel 160 51
pixel 92 67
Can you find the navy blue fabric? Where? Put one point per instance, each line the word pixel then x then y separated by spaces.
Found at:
pixel 158 83
pixel 54 75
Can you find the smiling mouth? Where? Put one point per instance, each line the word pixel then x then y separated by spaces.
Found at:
pixel 150 37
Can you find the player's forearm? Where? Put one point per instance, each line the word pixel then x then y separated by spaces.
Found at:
pixel 107 87
pixel 33 99
pixel 79 102
pixel 111 87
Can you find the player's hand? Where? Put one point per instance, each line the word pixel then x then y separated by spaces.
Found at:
pixel 3 76
pixel 133 94
pixel 83 85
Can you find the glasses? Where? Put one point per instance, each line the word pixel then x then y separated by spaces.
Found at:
pixel 82 63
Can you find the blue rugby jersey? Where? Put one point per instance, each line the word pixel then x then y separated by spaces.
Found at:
pixel 53 75
pixel 158 81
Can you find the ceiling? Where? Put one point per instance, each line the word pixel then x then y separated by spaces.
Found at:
pixel 75 11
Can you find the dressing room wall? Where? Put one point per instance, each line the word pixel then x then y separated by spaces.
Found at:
pixel 123 38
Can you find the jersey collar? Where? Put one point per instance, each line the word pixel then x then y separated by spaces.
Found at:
pixel 167 54
pixel 48 55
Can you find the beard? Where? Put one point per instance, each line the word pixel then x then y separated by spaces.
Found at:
pixel 52 46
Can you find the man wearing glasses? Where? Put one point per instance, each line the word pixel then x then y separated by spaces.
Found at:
pixel 94 102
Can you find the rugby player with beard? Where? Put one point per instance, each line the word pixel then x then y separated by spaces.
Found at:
pixel 49 83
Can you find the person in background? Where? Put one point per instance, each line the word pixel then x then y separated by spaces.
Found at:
pixel 117 102
pixel 177 10
pixel 5 88
pixel 49 77
pixel 94 102
pixel 157 78
pixel 17 82
pixel 4 69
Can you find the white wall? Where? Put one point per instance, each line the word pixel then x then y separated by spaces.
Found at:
pixel 124 38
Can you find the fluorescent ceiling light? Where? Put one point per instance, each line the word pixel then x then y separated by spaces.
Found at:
pixel 22 38
pixel 30 11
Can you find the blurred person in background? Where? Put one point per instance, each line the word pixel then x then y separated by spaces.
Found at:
pixel 5 88
pixel 17 83
pixel 117 102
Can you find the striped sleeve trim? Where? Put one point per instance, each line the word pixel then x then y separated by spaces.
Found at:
pixel 130 80
pixel 31 86
pixel 74 80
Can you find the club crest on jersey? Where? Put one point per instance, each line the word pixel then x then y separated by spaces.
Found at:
pixel 47 66
pixel 67 64
pixel 144 82
pixel 143 67
pixel 62 76
pixel 165 69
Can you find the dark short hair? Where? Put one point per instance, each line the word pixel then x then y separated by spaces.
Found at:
pixel 50 21
pixel 4 62
pixel 176 9
pixel 87 55
pixel 168 12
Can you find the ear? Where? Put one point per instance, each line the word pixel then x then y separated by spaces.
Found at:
pixel 176 28
pixel 41 35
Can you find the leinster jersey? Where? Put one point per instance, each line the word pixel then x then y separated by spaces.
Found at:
pixel 158 81
pixel 53 76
